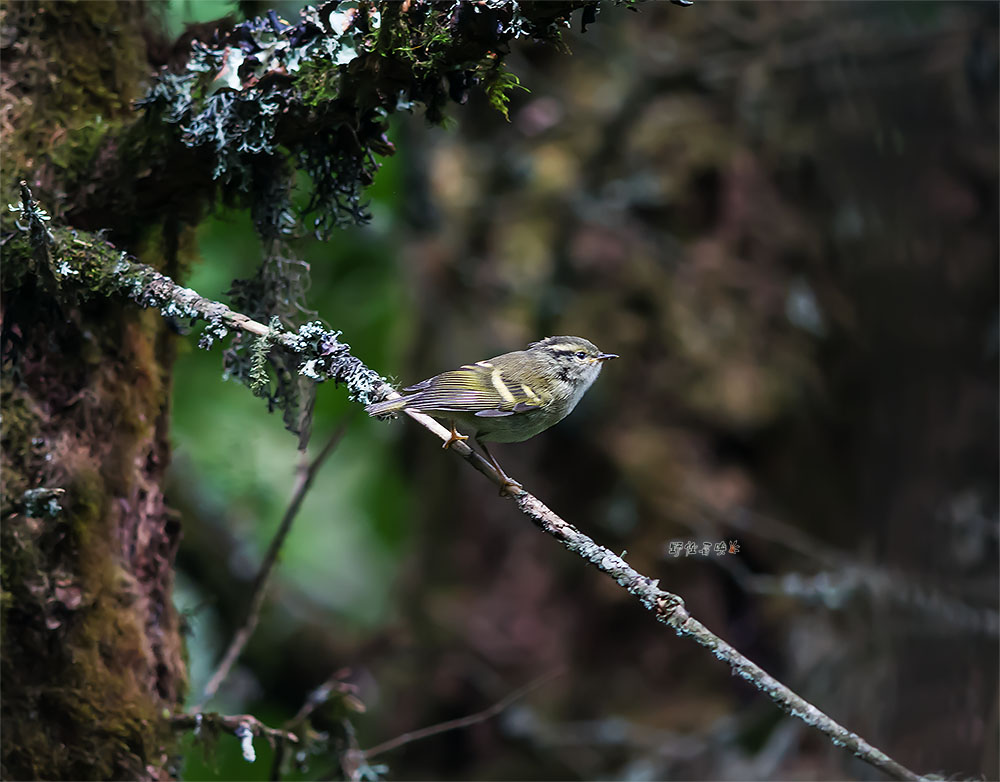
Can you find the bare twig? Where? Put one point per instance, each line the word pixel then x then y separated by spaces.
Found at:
pixel 325 357
pixel 305 475
pixel 231 723
pixel 461 722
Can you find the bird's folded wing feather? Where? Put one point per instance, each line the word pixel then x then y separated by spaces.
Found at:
pixel 473 388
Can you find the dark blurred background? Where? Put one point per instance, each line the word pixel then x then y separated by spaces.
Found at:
pixel 784 217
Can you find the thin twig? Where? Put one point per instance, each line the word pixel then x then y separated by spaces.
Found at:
pixel 231 723
pixel 461 722
pixel 303 483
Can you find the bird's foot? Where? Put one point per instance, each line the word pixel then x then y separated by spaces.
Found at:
pixel 510 487
pixel 454 438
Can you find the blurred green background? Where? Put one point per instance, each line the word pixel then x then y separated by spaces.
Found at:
pixel 784 217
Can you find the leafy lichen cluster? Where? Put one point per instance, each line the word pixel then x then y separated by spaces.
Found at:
pixel 269 96
pixel 325 357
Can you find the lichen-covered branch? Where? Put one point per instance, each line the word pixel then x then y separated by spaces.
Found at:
pixel 669 609
pixel 322 356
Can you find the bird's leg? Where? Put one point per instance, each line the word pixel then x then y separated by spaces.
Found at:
pixel 508 482
pixel 455 437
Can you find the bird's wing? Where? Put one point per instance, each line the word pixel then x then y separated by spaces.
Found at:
pixel 474 388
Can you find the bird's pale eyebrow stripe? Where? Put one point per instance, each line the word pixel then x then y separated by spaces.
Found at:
pixel 563 347
pixel 501 387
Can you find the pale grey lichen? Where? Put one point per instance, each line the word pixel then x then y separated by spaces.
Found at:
pixel 245 735
pixel 308 369
pixel 34 217
pixel 214 330
pixel 42 502
pixel 330 359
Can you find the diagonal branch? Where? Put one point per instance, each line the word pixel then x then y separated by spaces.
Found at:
pixel 669 609
pixel 324 357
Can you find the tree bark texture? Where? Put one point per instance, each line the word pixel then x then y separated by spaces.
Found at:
pixel 92 650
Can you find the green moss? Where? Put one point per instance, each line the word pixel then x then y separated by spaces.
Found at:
pixel 318 83
pixel 72 160
pixel 81 657
pixel 17 256
pixel 498 85
pixel 62 105
pixel 18 428
pixel 94 716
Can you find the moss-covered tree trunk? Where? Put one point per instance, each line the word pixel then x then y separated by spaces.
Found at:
pixel 92 653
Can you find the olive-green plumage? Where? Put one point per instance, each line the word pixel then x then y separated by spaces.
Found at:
pixel 508 398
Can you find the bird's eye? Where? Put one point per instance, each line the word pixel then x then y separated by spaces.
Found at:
pixel 581 354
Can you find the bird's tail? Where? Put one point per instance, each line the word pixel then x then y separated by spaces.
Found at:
pixel 387 407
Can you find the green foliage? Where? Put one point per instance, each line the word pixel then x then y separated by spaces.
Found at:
pixel 498 88
pixel 318 83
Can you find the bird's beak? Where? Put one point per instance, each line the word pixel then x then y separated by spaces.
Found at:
pixel 607 356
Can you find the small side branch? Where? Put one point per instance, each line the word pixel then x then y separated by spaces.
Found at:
pixel 456 724
pixel 240 725
pixel 259 590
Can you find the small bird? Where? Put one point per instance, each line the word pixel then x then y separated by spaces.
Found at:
pixel 508 398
